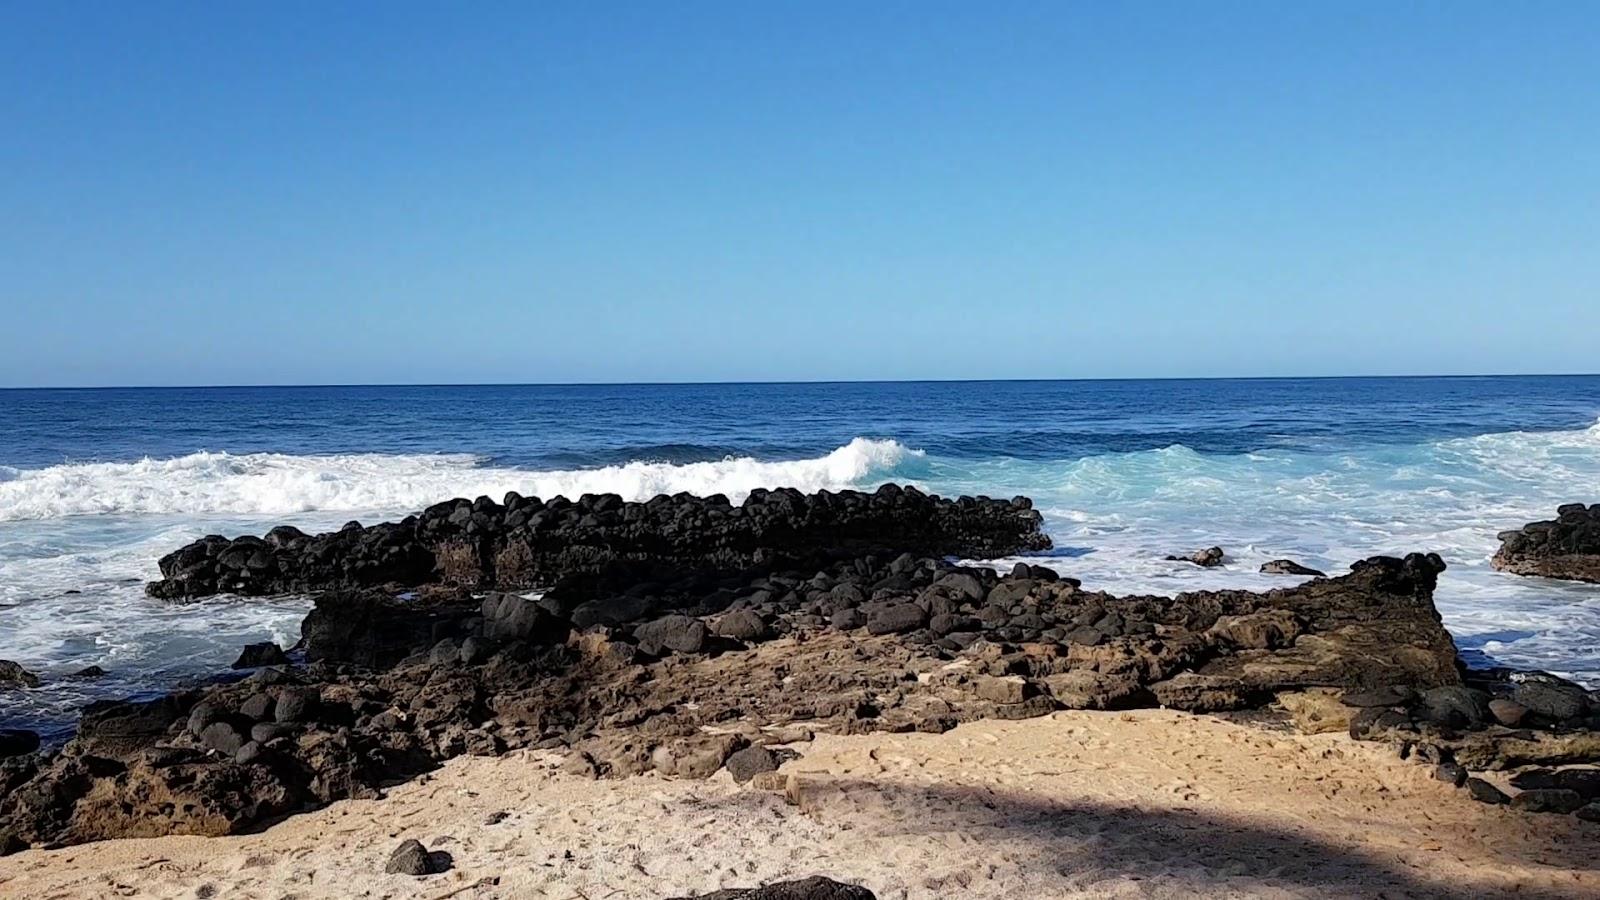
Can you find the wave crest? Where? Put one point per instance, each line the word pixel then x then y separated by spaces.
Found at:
pixel 275 483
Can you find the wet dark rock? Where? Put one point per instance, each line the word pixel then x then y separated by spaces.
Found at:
pixel 1207 558
pixel 1289 567
pixel 89 672
pixel 13 675
pixel 17 742
pixel 266 653
pixel 813 888
pixel 1567 547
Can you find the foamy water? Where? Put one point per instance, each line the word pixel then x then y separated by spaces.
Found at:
pixel 79 539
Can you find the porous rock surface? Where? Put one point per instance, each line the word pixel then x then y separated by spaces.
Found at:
pixel 732 653
pixel 1566 547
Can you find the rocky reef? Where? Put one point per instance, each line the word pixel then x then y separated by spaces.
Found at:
pixel 1566 547
pixel 525 542
pixel 680 637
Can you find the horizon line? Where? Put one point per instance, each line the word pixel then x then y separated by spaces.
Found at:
pixel 787 382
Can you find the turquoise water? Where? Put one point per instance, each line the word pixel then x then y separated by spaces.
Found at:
pixel 95 485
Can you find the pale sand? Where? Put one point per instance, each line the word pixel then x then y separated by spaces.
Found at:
pixel 1150 803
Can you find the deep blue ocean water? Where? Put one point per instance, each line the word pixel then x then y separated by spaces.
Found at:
pixel 96 484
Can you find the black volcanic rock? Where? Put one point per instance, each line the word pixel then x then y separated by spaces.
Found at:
pixel 528 543
pixel 699 635
pixel 254 656
pixel 1289 567
pixel 1208 558
pixel 1566 547
pixel 13 675
pixel 813 888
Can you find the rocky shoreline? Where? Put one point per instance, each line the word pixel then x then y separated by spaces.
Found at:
pixel 686 635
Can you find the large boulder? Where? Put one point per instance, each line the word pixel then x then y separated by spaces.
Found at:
pixel 1566 547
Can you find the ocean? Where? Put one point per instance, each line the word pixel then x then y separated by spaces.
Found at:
pixel 97 484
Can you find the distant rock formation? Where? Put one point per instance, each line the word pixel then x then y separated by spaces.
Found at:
pixel 1567 547
pixel 527 543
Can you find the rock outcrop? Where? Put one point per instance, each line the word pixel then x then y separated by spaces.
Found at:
pixel 702 636
pixel 1566 547
pixel 686 683
pixel 525 542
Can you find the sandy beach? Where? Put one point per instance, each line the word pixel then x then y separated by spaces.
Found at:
pixel 1146 803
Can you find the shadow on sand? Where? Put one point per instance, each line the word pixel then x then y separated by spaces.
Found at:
pixel 1186 853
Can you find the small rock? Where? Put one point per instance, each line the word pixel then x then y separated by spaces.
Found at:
pixel 221 737
pixel 1450 773
pixel 296 705
pixel 749 762
pixel 410 858
pixel 1548 800
pixel 89 672
pixel 266 653
pixel 1289 567
pixel 895 618
pixel 848 619
pixel 14 675
pixel 475 650
pixel 1589 813
pixel 813 888
pixel 744 625
pixel 1484 792
pixel 257 707
pixel 1207 558
pixel 679 634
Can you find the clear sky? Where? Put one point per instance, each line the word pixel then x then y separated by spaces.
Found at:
pixel 229 193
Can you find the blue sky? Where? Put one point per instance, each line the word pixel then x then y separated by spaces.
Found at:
pixel 334 193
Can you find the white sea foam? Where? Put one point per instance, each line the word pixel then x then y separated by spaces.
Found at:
pixel 278 484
